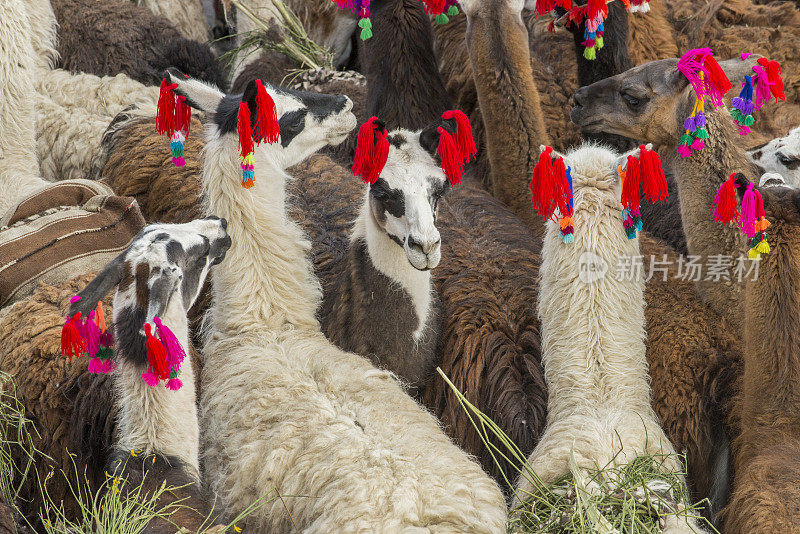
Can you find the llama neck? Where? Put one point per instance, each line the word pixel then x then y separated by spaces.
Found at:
pixel 595 357
pixel 155 419
pixel 698 178
pixel 266 280
pixel 404 88
pixel 771 382
pixel 390 260
pixel 500 56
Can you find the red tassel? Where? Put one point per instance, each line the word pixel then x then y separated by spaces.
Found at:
pixel 541 185
pixel 434 7
pixel 725 209
pixel 267 116
pixel 72 344
pixel 717 76
pixel 560 186
pixel 543 7
pixel 631 188
pixel 653 180
pixel 165 110
pixel 449 153
pixel 372 151
pixel 245 130
pixel 183 115
pixel 774 76
pixel 156 355
pixel 464 140
pixel 597 8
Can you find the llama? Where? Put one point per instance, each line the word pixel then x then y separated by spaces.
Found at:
pixel 383 304
pixel 593 338
pixel 656 99
pixel 313 416
pixel 19 171
pixel 780 156
pixel 766 468
pixel 116 36
pixel 158 278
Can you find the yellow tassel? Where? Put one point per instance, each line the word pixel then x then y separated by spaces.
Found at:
pixel 249 159
pixel 763 247
pixel 753 254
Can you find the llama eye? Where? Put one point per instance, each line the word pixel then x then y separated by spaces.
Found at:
pixel 784 159
pixel 631 100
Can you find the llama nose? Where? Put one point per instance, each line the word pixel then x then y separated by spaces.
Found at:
pixel 425 247
pixel 581 96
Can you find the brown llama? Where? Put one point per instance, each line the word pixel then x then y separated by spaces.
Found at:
pixel 766 464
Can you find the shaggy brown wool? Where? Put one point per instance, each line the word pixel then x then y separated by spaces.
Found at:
pixel 72 409
pixel 766 463
pixel 115 36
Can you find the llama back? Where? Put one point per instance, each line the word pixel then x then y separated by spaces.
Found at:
pixel 592 311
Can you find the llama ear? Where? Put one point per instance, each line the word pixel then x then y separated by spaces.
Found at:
pixel 98 288
pixel 675 79
pixel 554 154
pixel 199 95
pixel 622 161
pixel 162 284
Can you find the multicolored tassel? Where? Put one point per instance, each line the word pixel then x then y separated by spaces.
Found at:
pixel 639 6
pixel 157 359
pixel 361 9
pixel 752 219
pixel 175 354
pixel 743 107
pixel 441 9
pixel 695 129
pixel 173 118
pixel 90 338
pixel 631 197
pixel 246 146
pixel 551 190
pixel 774 79
pixel 372 151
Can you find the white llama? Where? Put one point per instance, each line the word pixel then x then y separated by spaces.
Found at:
pixel 281 407
pixel 593 337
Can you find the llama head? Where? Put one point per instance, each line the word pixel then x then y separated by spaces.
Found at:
pixel 781 156
pixel 403 201
pixel 308 121
pixel 648 102
pixel 165 264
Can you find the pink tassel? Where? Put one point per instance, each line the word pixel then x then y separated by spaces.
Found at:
pixel 109 366
pixel 95 366
pixel 749 212
pixel 150 379
pixel 698 144
pixel 91 334
pixel 762 87
pixel 175 353
pixel 684 151
pixel 174 384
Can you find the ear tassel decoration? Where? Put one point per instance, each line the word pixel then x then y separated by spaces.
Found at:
pixel 441 9
pixel 175 354
pixel 774 79
pixel 173 117
pixel 463 137
pixel 450 155
pixel 707 79
pixel 79 338
pixel 246 148
pixel 361 9
pixel 743 107
pixel 267 125
pixel 372 151
pixel 156 358
pixel 640 6
pixel 631 197
pixel 551 189
pixel 752 220
pixel 653 180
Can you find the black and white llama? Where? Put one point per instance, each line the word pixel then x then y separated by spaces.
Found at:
pixel 158 279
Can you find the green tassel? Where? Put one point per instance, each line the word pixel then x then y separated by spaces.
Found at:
pixel 452 12
pixel 737 115
pixel 749 120
pixel 599 43
pixel 686 139
pixel 366 33
pixel 441 18
pixel 590 53
pixel 366 28
pixel 701 133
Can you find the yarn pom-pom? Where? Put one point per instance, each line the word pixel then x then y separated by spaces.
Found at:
pixel 174 384
pixel 98 366
pixel 684 151
pixel 697 144
pixel 72 344
pixel 725 209
pixel 150 379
